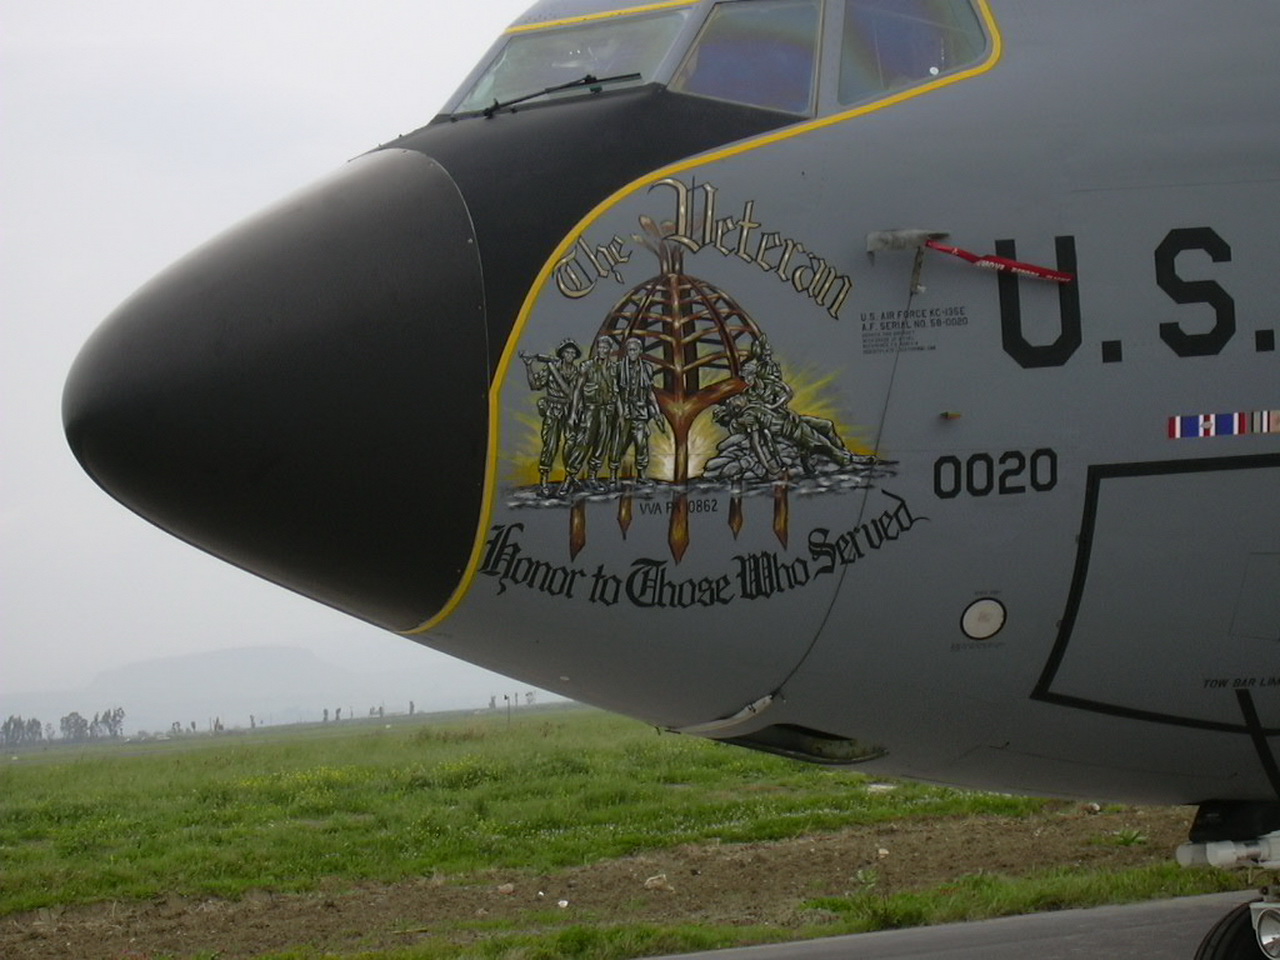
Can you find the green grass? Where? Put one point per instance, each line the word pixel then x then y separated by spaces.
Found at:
pixel 305 808
pixel 221 816
pixel 575 942
pixel 982 896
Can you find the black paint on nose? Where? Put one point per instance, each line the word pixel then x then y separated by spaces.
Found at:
pixel 306 396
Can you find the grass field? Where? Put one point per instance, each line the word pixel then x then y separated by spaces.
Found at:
pixel 292 810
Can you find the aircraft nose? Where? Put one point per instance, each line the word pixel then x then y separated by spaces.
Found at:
pixel 306 396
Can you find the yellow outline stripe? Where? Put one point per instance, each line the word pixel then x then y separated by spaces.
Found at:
pixel 587 17
pixel 531 298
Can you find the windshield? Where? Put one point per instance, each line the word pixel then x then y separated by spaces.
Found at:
pixel 888 44
pixel 550 57
pixel 762 53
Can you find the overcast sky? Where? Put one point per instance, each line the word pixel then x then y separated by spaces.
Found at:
pixel 130 132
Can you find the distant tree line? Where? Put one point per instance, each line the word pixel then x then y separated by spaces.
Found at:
pixel 108 725
pixel 18 732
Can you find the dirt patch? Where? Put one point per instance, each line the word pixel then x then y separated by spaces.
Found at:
pixel 754 883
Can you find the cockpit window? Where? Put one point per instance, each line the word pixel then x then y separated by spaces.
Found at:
pixel 538 59
pixel 889 44
pixel 761 52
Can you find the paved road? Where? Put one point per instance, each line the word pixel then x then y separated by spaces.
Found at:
pixel 1164 930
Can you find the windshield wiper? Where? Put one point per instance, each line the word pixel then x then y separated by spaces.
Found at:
pixel 595 83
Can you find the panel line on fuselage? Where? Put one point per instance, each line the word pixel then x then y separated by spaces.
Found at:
pixel 1097 473
pixel 1259 735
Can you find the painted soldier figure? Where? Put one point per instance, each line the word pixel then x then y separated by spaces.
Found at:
pixel 558 377
pixel 767 439
pixel 638 405
pixel 593 415
pixel 768 397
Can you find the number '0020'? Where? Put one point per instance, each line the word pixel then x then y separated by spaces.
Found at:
pixel 984 474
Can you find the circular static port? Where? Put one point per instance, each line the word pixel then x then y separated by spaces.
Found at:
pixel 983 619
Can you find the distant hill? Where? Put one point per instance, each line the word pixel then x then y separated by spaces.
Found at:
pixel 275 684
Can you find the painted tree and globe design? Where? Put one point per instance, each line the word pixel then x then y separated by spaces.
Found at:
pixel 679 390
